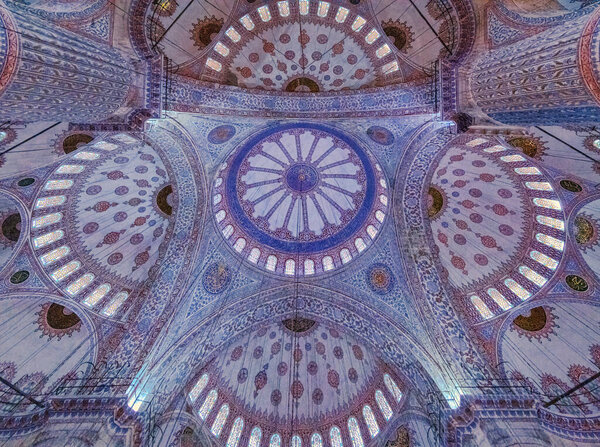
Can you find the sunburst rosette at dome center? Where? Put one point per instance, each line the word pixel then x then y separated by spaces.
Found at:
pixel 300 199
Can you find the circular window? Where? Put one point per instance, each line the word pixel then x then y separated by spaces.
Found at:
pixel 19 277
pixel 27 181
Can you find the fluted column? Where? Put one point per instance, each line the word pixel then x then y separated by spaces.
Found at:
pixel 548 78
pixel 51 74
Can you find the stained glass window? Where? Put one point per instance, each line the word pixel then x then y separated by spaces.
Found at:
pixel 115 303
pixel 383 405
pixel 512 158
pixel 327 263
pixel 215 65
pixel 550 241
pixel 532 276
pixel 255 436
pixel 529 170
pixel 227 231
pixel 284 8
pixel 359 243
pixel 371 421
pixel 66 270
pixel 499 299
pixel 303 6
pixel 235 433
pixel 345 255
pixel 341 15
pixel 392 387
pixel 217 199
pixel 207 405
pixel 546 261
pixel 296 441
pixel 372 36
pixel 372 231
pixel 517 289
pixel 271 263
pixel 316 440
pixel 105 145
pixel 264 13
pixel 551 222
pixel 547 203
pixel 496 148
pixel 233 34
pixel 78 285
pixel 239 244
pixel 379 215
pixel 383 50
pixel 323 9
pixel 309 267
pixel 46 202
pixel 290 267
pixel 383 199
pixel 220 420
pixel 336 437
pixel 52 185
pixel 354 429
pixel 390 67
pixel 223 50
pixel 247 22
pixel 220 215
pixel 48 238
pixel 86 155
pixel 199 387
pixel 358 23
pixel 70 169
pixel 218 182
pixel 481 307
pixel 100 292
pixel 275 441
pixel 383 183
pixel 44 221
pixel 54 255
pixel 476 142
pixel 539 186
pixel 254 255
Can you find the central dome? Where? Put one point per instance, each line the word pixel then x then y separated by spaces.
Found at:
pixel 301 193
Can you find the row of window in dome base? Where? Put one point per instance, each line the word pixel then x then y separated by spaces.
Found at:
pixel 316 440
pixel 283 8
pixel 47 238
pixel 547 263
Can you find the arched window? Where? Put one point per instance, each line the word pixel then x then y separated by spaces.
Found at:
pixel 316 440
pixel 271 263
pixel 481 307
pixel 48 219
pixel 327 263
pixel 228 231
pixel 47 202
pixel 383 199
pixel 392 387
pixel 370 420
pixel 198 388
pixel 359 243
pixel 499 298
pixel 335 435
pixel 296 441
pixel 341 15
pixel 290 267
pixel 379 215
pixel 309 267
pixel 275 440
pixel 516 288
pixel 48 238
pixel 52 185
pixel 550 241
pixel 79 284
pixel 220 420
pixel 70 169
pixel 355 436
pixel 54 255
pixel 345 255
pixel 235 433
pixel 383 405
pixel 372 231
pixel 532 276
pixel 512 158
pixel 284 8
pixel 264 13
pixel 539 186
pixel 239 244
pixel 323 9
pixel 68 269
pixel 115 303
pixel 254 255
pixel 303 6
pixel 541 258
pixel 529 170
pixel 217 199
pixel 86 155
pixel 255 436
pixel 220 215
pixel 209 402
pixel 547 203
pixel 551 222
pixel 100 292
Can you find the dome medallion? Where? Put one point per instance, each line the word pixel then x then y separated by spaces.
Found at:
pixel 301 194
